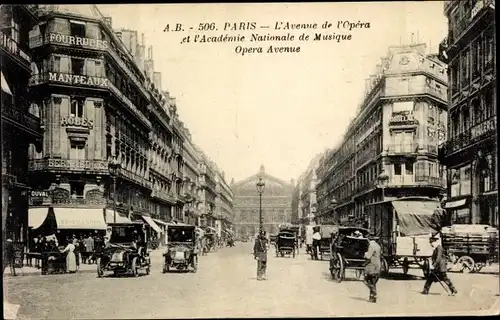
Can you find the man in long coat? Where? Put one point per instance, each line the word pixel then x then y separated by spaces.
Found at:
pixel 260 254
pixel 372 269
pixel 438 268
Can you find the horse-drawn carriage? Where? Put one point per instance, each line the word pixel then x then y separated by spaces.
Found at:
pixel 348 248
pixel 403 226
pixel 469 248
pixel 321 246
pixel 286 243
pixel 125 252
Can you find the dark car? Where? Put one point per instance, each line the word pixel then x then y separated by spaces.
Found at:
pixel 182 249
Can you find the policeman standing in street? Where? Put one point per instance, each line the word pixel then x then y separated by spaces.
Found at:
pixel 372 269
pixel 438 268
pixel 260 254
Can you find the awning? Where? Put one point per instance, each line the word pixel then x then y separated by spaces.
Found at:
pixel 415 217
pixel 160 222
pixel 5 85
pixel 73 218
pixel 36 216
pixel 151 223
pixel 120 218
pixel 455 204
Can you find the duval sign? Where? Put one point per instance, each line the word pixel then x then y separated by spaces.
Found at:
pixel 78 80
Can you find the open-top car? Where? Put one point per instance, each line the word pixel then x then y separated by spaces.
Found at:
pixel 125 252
pixel 182 248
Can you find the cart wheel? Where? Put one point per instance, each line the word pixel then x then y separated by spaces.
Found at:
pixel 466 264
pixel 406 266
pixel 100 271
pixel 426 268
pixel 478 267
pixel 135 267
pixel 337 269
pixel 384 266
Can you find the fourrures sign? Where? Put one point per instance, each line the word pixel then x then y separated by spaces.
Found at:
pixel 78 41
pixel 78 80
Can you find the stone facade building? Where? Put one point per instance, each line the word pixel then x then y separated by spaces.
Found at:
pixel 397 130
pixel 114 148
pixel 276 201
pixel 20 119
pixel 470 153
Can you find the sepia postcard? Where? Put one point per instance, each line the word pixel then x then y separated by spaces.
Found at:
pixel 249 160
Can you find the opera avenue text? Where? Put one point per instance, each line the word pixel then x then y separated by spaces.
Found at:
pixel 271 49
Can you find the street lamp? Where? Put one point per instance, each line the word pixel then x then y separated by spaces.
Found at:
pixel 333 204
pixel 260 189
pixel 113 169
pixel 382 179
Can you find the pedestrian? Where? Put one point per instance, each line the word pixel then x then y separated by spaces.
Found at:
pixel 372 269
pixel 260 254
pixel 315 245
pixel 9 256
pixel 89 248
pixel 438 267
pixel 70 257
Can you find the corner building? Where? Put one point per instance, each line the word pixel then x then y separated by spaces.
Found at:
pixel 95 106
pixel 470 153
pixel 397 130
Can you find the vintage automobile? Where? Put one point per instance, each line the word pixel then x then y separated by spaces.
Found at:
pixel 347 251
pixel 182 248
pixel 286 243
pixel 125 252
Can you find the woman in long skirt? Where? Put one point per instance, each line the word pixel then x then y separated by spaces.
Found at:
pixel 70 257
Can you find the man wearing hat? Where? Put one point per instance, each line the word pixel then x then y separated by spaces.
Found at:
pixel 438 268
pixel 372 269
pixel 260 254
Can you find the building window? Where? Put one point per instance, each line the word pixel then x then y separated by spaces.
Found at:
pixel 77 28
pixel 397 169
pixel 77 66
pixel 409 167
pixel 476 58
pixel 464 68
pixel 455 124
pixel 454 77
pixel 15 34
pixel 489 48
pixel 477 110
pixel 77 106
pixel 466 123
pixel 77 152
pixel 77 188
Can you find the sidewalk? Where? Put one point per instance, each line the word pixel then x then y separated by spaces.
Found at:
pixel 84 268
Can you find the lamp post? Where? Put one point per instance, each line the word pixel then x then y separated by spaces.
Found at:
pixel 333 204
pixel 113 169
pixel 382 179
pixel 260 189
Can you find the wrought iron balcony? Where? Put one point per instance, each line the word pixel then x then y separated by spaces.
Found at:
pixel 12 48
pixel 483 130
pixel 410 180
pixel 20 118
pixel 129 104
pixel 163 196
pixel 402 148
pixel 50 164
pixel 134 177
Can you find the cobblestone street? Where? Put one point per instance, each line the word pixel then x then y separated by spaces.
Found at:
pixel 225 286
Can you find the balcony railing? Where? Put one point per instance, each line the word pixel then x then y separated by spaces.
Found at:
pixel 478 132
pixel 402 148
pixel 468 19
pixel 98 166
pixel 19 117
pixel 163 196
pixel 12 47
pixel 134 177
pixel 407 180
pixel 129 104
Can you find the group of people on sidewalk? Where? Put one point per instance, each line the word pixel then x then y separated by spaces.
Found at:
pixel 437 272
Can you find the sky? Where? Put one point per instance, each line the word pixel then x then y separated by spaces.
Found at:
pixel 279 110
